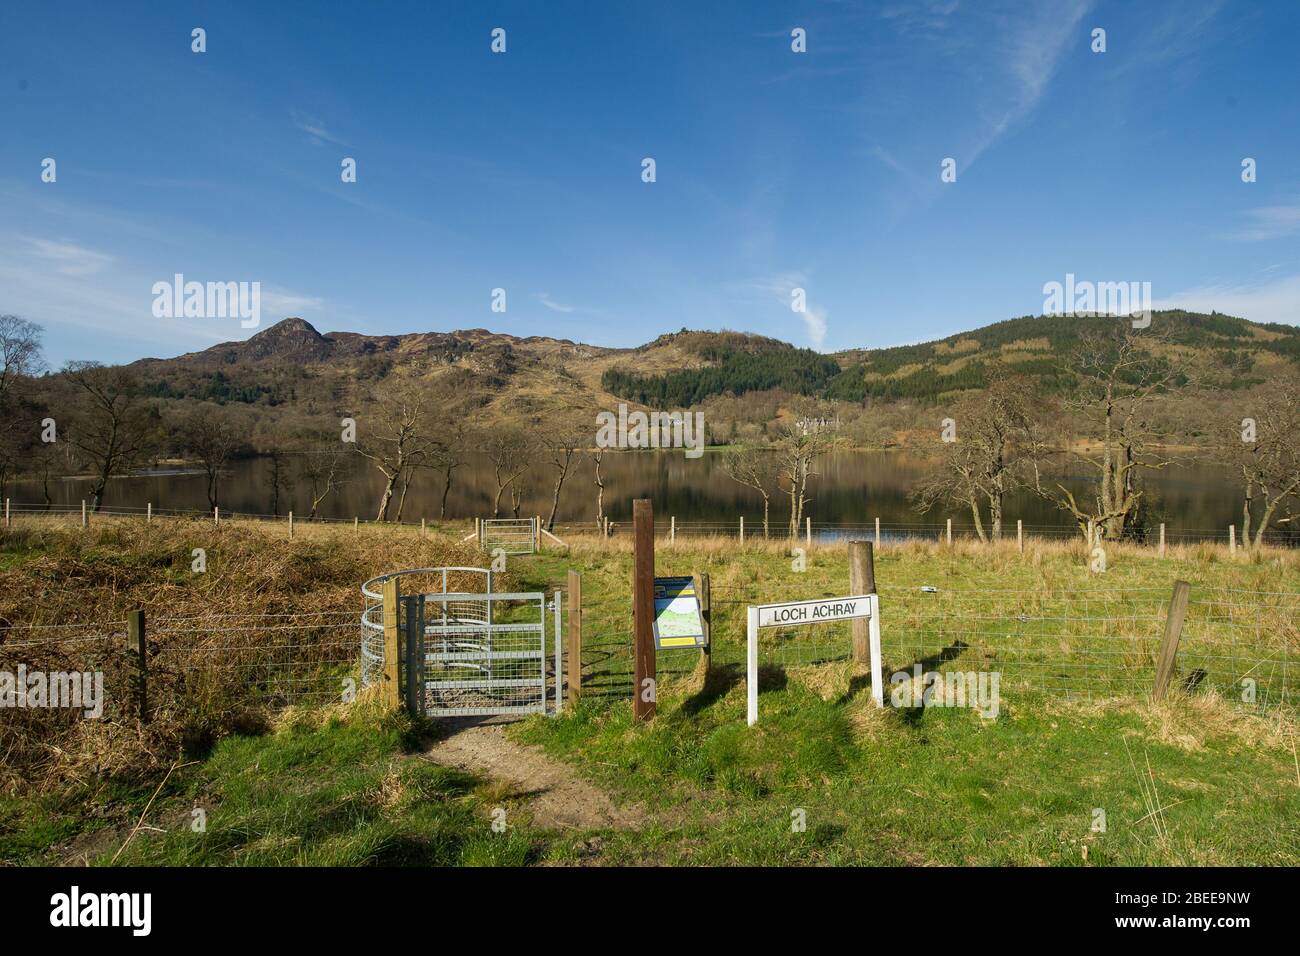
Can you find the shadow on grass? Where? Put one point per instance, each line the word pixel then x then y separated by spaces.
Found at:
pixel 928 665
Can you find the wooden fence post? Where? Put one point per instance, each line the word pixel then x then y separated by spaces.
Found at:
pixel 356 524
pixel 950 532
pixel 1232 539
pixel 862 580
pixel 742 529
pixel 575 637
pixel 291 525
pixel 705 595
pixel 216 515
pixel 148 512
pixel 1162 539
pixel 877 533
pixel 672 529
pixel 139 656
pixel 392 602
pixel 6 512
pixel 1020 535
pixel 643 609
pixel 422 528
pixel 1169 645
pixel 807 523
pixel 83 512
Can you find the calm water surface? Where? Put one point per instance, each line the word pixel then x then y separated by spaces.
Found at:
pixel 853 487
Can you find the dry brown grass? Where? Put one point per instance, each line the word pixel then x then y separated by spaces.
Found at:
pixel 1036 551
pixel 218 663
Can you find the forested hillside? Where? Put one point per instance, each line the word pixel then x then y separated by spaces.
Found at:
pixel 1233 352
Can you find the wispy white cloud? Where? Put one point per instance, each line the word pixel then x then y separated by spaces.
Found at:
pixel 814 319
pixel 68 258
pixel 1268 222
pixel 546 300
pixel 1262 300
pixel 1029 48
pixel 780 288
pixel 316 129
pixel 284 302
pixel 1002 58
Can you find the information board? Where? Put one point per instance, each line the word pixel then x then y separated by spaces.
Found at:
pixel 677 620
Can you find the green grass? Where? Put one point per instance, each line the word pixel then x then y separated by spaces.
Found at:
pixel 944 787
pixel 348 786
pixel 340 790
pixel 937 785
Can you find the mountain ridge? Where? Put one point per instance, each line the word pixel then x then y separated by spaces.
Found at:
pixel 513 378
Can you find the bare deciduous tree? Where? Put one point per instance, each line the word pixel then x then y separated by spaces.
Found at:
pixel 451 451
pixel 212 440
pixel 20 358
pixel 392 435
pixel 798 446
pixel 755 468
pixel 562 441
pixel 597 456
pixel 508 449
pixel 322 465
pixel 111 426
pixel 1120 380
pixel 1267 456
pixel 979 468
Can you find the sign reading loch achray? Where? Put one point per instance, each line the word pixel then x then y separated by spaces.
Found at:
pixel 814 612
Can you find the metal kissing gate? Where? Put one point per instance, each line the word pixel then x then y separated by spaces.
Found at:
pixel 509 535
pixel 462 648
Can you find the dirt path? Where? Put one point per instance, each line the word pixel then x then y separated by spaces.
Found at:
pixel 553 793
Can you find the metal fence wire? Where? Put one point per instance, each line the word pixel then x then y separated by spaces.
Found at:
pixel 1074 644
pixel 1081 644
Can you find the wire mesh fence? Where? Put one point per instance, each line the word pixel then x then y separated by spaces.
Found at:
pixel 1068 643
pixel 304 658
pixel 221 659
pixel 670 528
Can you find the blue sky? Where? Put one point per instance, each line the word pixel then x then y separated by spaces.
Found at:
pixel 522 170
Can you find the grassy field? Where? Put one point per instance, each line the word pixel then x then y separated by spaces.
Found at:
pixel 824 778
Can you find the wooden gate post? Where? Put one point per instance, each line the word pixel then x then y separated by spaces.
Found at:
pixel 392 601
pixel 643 609
pixel 139 656
pixel 705 595
pixel 1020 535
pixel 862 580
pixel 575 637
pixel 1169 645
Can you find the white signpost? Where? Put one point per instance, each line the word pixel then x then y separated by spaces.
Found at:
pixel 813 612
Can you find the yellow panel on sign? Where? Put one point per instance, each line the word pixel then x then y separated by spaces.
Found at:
pixel 677 642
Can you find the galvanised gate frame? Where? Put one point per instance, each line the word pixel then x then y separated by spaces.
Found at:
pixel 510 535
pixel 466 652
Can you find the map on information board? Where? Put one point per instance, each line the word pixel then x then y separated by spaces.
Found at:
pixel 677 614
